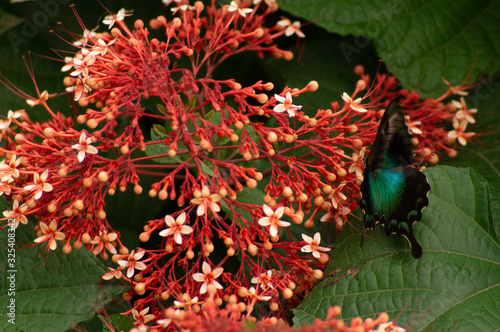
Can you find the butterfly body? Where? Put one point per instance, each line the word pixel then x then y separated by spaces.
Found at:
pixel 393 192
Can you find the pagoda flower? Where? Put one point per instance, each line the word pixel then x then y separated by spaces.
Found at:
pixel 313 245
pixel 338 196
pixel 132 262
pixel 339 216
pixel 10 116
pixel 4 189
pixel 353 104
pixel 100 48
pixel 463 113
pixel 120 16
pixel 291 28
pixel 40 185
pixel 456 90
pixel 208 277
pixel 104 240
pixel 358 163
pixel 264 280
pixel 113 273
pixel 182 8
pixel 165 322
pixel 84 146
pixel 233 6
pixel 17 214
pixel 43 97
pixel 252 293
pixel 168 2
pixel 286 105
pixel 50 235
pixel 206 201
pixel 85 37
pixel 459 132
pixel 9 172
pixel 141 318
pixel 413 126
pixel 272 219
pixel 176 227
pixel 187 301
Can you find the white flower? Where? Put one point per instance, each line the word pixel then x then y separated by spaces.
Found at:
pixel 291 28
pixel 39 185
pixel 85 37
pixel 272 219
pixel 140 318
pixel 187 301
pixel 353 104
pixel 101 48
pixel 50 234
pixel 286 104
pixel 313 245
pixel 132 262
pixel 182 7
pixel 463 112
pixel 264 280
pixel 43 97
pixel 242 11
pixel 112 19
pixel 459 132
pixel 176 227
pixel 252 292
pixel 206 201
pixel 357 165
pixel 84 146
pixel 413 125
pixel 9 172
pixel 208 277
pixel 168 2
pixel 10 116
pixel 112 274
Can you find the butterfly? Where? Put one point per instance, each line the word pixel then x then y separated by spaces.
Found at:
pixel 393 192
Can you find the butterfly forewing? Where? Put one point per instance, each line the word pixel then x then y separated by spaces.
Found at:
pixel 392 145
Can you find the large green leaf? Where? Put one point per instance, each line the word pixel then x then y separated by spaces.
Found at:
pixel 50 293
pixel 455 286
pixel 421 41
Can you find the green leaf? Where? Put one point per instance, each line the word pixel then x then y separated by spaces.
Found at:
pixel 158 132
pixel 420 41
pixel 119 323
pixel 51 293
pixel 454 285
pixel 206 167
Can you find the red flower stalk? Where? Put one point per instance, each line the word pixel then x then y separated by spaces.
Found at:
pixel 207 148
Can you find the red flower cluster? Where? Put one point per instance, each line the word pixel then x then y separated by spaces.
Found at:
pixel 208 146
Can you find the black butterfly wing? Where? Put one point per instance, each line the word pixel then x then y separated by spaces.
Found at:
pixel 392 146
pixel 393 193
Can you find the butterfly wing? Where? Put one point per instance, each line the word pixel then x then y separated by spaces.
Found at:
pixel 393 193
pixel 392 146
